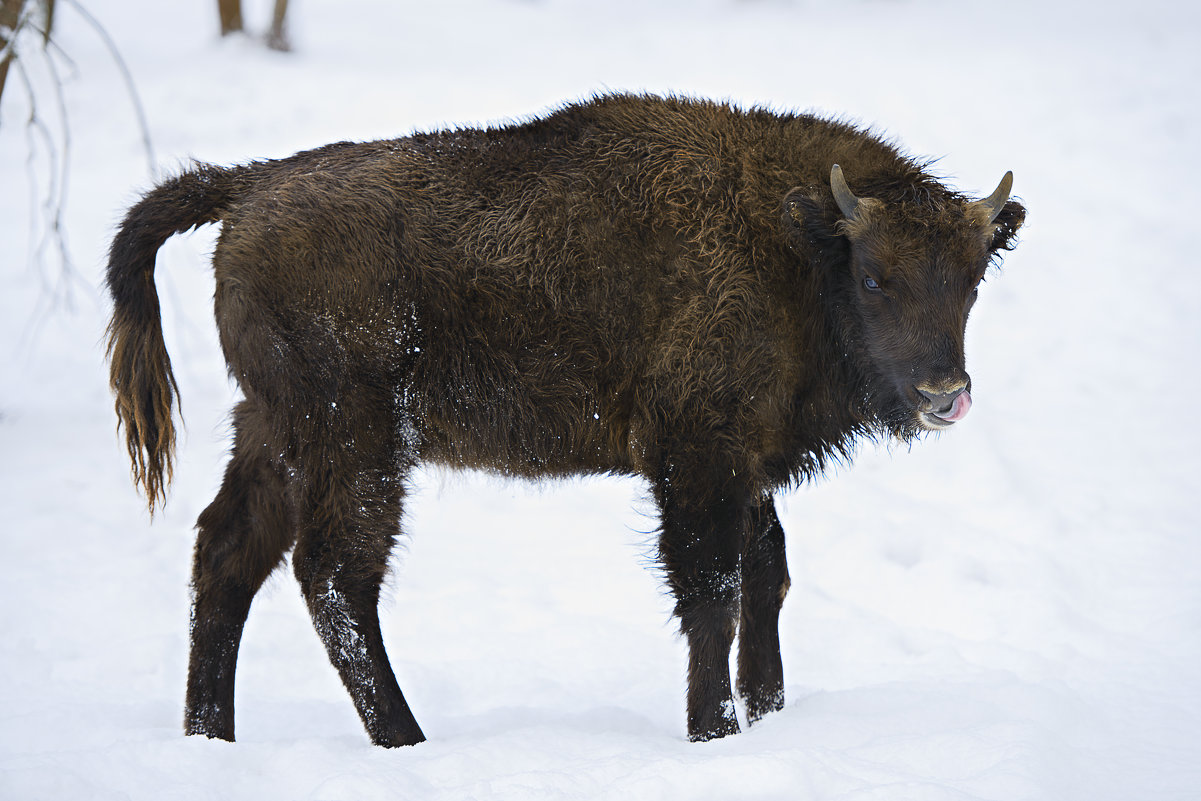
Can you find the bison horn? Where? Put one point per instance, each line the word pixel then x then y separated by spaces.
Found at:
pixel 846 200
pixel 991 206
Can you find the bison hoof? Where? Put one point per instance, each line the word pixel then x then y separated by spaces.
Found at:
pixel 712 734
pixel 213 734
pixel 396 739
pixel 209 721
pixel 761 704
pixel 721 724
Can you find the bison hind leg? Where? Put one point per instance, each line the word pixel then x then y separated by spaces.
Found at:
pixel 351 469
pixel 242 537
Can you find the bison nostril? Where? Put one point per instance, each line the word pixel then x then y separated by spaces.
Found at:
pixel 937 402
pixel 947 407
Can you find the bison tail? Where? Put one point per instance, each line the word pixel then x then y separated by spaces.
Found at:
pixel 139 369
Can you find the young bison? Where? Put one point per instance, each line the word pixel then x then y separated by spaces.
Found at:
pixel 677 289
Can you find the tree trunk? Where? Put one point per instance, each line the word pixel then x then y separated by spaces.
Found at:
pixel 278 39
pixel 231 15
pixel 10 14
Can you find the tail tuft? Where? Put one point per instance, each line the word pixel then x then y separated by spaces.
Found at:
pixel 139 368
pixel 144 383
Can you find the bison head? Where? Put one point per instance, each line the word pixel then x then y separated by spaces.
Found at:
pixel 917 254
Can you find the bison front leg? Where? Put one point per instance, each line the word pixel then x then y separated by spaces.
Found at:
pixel 703 516
pixel 764 584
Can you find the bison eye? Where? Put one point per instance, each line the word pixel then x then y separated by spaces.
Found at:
pixel 872 284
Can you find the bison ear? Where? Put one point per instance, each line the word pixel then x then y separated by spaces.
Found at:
pixel 804 217
pixel 1000 216
pixel 1005 226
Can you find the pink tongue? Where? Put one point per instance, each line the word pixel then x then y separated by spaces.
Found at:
pixel 959 409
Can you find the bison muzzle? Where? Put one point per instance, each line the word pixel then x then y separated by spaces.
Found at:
pixel 717 300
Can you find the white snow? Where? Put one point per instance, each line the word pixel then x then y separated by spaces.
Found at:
pixel 1010 610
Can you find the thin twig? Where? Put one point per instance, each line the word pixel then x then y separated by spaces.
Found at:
pixel 8 53
pixel 127 76
pixel 50 231
pixel 54 210
pixel 36 131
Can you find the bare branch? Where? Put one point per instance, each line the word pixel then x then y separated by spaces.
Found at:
pixel 11 21
pixel 127 77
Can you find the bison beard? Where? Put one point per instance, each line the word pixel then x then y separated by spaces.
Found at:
pixel 661 287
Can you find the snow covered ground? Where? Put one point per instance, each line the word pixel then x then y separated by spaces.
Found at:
pixel 1009 611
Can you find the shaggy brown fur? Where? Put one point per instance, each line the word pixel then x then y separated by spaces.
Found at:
pixel 631 285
